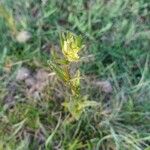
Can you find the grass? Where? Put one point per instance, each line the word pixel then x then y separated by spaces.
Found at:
pixel 116 36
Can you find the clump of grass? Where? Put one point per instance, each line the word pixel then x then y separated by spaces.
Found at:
pixel 24 111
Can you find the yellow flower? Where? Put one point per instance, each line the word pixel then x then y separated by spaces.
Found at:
pixel 71 45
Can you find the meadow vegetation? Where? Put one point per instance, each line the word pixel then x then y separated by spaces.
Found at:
pixel 38 111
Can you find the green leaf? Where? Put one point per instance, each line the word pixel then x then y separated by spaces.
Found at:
pixel 148 148
pixel 76 107
pixel 8 18
pixel 49 139
pixel 85 104
pixel 59 71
